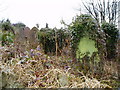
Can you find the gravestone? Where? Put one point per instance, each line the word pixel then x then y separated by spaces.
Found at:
pixel 23 35
pixel 33 39
pixel 26 33
pixel 26 38
pixel 19 39
pixel 19 36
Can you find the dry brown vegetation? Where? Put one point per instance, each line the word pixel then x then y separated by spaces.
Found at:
pixel 34 69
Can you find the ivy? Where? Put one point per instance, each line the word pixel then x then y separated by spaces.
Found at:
pixel 7 38
pixel 112 35
pixel 83 25
pixel 47 37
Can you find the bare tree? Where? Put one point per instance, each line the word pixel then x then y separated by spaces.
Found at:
pixel 119 15
pixel 103 11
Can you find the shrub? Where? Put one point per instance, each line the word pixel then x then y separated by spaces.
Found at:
pixel 82 26
pixel 111 39
pixel 49 37
pixel 7 38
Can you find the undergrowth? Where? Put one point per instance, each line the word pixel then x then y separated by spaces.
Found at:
pixel 34 69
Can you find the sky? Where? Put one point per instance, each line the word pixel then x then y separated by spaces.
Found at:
pixel 32 12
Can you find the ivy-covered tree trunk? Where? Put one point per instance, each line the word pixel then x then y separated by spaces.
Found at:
pixel 111 33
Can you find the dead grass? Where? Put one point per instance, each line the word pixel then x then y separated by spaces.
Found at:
pixel 42 71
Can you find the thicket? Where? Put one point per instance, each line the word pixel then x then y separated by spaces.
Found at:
pixel 7 32
pixel 81 26
pixel 111 34
pixel 105 37
pixel 52 39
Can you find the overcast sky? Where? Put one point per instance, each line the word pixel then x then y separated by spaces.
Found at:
pixel 32 12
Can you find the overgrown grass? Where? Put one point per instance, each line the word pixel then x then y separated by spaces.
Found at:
pixel 34 69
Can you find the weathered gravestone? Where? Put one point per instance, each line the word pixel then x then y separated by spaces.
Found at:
pixel 26 38
pixel 26 33
pixel 22 37
pixel 33 39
